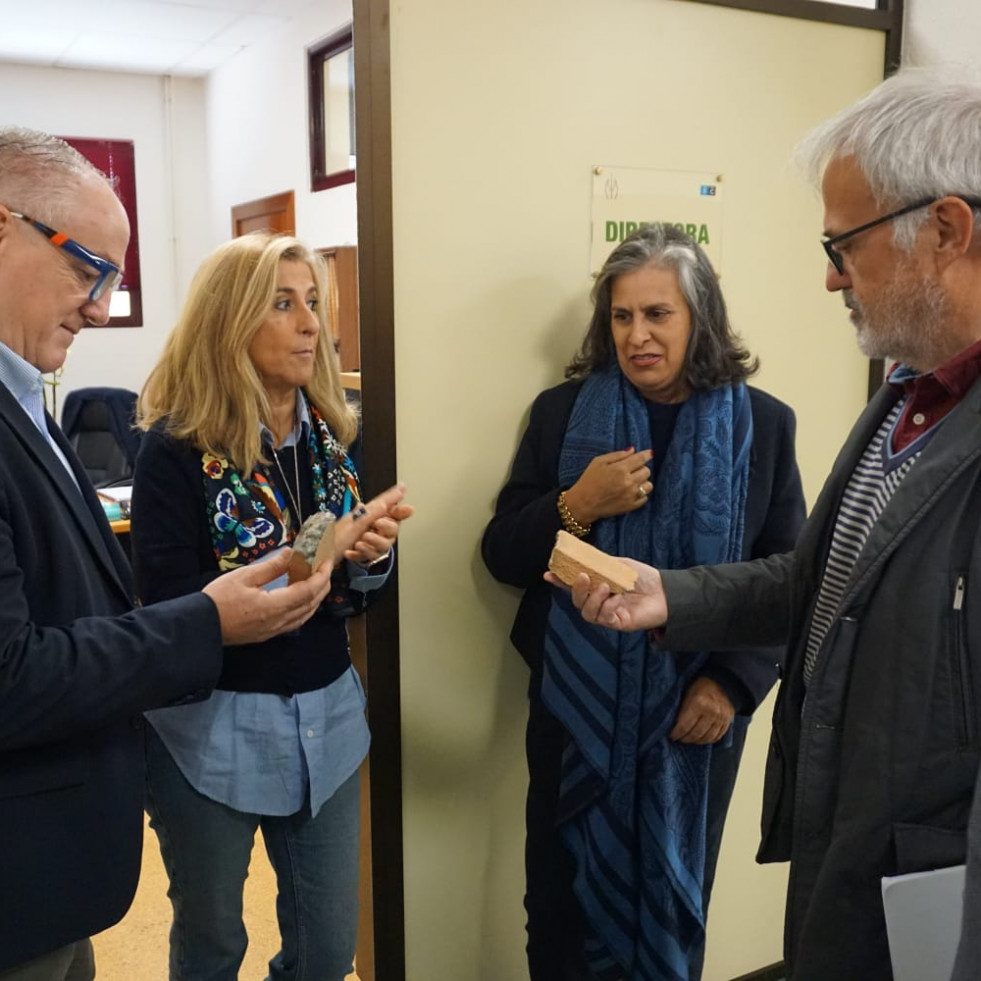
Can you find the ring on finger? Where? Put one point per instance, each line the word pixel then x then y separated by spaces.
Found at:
pixel 641 492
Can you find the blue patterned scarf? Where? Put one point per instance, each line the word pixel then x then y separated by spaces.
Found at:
pixel 632 803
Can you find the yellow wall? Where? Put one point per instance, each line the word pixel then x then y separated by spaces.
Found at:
pixel 499 113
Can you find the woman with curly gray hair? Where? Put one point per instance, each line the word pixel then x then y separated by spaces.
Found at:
pixel 654 447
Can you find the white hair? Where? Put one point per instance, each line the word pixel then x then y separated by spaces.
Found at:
pixel 39 172
pixel 916 136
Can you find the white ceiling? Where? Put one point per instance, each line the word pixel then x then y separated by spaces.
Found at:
pixel 160 37
pixel 191 37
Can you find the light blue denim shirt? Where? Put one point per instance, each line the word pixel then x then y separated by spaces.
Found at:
pixel 27 386
pixel 262 753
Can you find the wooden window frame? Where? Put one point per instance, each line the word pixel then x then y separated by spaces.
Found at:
pixel 317 56
pixel 886 17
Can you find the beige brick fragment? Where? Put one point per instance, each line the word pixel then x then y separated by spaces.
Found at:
pixel 571 555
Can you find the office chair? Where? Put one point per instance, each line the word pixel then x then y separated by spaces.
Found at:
pixel 98 423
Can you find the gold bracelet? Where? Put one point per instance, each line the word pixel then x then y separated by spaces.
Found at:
pixel 568 521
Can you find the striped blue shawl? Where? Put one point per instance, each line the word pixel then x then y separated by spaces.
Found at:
pixel 632 803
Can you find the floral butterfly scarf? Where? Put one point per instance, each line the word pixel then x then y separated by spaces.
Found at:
pixel 248 516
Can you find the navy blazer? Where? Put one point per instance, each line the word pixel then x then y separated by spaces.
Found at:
pixel 77 667
pixel 519 539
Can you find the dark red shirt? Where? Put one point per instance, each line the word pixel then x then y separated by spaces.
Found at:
pixel 931 396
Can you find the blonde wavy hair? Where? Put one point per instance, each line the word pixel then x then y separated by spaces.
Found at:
pixel 205 389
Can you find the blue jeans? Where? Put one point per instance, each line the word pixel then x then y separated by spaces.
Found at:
pixel 206 847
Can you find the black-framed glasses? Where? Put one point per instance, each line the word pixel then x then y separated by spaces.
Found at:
pixel 835 257
pixel 109 275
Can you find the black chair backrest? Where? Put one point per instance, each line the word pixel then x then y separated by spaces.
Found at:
pixel 98 423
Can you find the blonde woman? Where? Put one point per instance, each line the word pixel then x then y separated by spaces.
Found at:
pixel 248 434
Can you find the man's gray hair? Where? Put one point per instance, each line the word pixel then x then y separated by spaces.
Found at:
pixel 38 172
pixel 916 136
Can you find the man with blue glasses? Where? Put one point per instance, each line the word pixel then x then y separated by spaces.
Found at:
pixel 78 664
pixel 877 730
pixel 104 275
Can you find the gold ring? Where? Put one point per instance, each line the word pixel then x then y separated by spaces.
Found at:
pixel 641 492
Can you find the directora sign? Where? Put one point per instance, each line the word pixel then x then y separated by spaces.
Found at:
pixel 617 231
pixel 625 198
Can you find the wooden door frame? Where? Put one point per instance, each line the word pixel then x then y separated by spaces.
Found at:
pixel 372 96
pixel 372 72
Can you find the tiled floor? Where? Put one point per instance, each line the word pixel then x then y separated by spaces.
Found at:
pixel 136 949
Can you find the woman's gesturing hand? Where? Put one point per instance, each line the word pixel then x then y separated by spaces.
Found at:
pixel 248 613
pixel 377 541
pixel 363 522
pixel 613 483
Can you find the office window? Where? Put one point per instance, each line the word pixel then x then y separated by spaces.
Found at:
pixel 116 159
pixel 330 69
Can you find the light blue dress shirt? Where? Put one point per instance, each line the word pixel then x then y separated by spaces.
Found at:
pixel 27 386
pixel 262 753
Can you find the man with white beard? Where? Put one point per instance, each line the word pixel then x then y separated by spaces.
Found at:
pixel 877 730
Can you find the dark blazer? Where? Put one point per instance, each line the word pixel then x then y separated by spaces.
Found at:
pixel 517 542
pixel 77 666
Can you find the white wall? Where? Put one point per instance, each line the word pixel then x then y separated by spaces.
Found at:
pixel 200 147
pixel 165 120
pixel 941 31
pixel 257 131
pixel 499 114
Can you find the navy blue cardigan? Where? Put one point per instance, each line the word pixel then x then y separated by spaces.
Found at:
pixel 173 555
pixel 517 542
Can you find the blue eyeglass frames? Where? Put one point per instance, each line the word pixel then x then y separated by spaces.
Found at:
pixel 109 275
pixel 835 257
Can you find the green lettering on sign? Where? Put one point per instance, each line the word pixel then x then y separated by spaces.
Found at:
pixel 617 231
